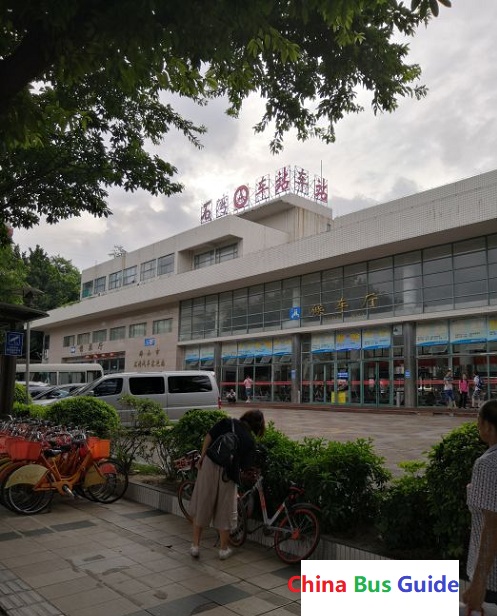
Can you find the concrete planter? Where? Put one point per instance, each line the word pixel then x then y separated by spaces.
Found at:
pixel 164 499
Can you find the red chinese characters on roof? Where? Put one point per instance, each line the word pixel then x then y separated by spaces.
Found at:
pixel 287 180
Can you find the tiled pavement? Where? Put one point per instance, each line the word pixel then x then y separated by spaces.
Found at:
pixel 83 558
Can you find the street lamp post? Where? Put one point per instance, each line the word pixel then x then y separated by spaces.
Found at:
pixel 28 294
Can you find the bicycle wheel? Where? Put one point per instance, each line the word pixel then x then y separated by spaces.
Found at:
pixel 6 469
pixel 239 534
pixel 19 493
pixel 185 491
pixel 113 483
pixel 297 536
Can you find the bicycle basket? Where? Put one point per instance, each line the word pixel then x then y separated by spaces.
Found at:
pixel 99 447
pixel 249 476
pixel 19 449
pixel 260 456
pixel 183 464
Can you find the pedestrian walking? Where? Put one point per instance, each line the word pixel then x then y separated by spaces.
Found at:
pixel 248 383
pixel 463 391
pixel 477 397
pixel 449 390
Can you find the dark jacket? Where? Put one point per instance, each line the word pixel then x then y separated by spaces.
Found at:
pixel 246 445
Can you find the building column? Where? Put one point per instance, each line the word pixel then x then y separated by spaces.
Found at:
pixel 218 364
pixel 7 384
pixel 296 372
pixel 410 382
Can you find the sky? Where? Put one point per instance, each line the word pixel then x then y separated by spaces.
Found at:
pixel 449 135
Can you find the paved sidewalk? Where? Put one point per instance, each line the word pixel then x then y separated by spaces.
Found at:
pixel 89 559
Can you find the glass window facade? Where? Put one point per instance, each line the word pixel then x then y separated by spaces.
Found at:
pixel 129 275
pixel 117 333
pixel 147 270
pixel 83 338
pixel 217 255
pixel 445 277
pixel 162 326
pixel 136 330
pixel 165 265
pixel 87 290
pixel 341 363
pixel 100 335
pixel 115 280
pixel 100 284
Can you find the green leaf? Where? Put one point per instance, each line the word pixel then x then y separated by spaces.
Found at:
pixel 434 7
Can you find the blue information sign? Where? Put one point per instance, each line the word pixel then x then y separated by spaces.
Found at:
pixel 14 343
pixel 295 313
pixel 149 341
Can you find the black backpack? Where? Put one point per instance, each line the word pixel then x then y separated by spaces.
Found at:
pixel 225 448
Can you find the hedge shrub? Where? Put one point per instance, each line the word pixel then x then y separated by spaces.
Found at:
pixel 344 479
pixel 20 394
pixel 21 409
pixel 86 412
pixel 279 464
pixel 128 443
pixel 405 522
pixel 447 475
pixel 186 434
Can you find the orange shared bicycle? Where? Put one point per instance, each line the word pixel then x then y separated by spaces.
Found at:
pixel 79 467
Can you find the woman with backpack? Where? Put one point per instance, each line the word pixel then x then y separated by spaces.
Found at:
pixel 214 496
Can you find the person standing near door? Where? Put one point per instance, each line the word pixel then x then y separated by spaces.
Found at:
pixel 463 391
pixel 248 383
pixel 449 390
pixel 476 399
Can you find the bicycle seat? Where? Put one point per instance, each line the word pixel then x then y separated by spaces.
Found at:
pixel 52 453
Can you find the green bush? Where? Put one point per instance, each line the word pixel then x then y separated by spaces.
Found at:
pixel 128 443
pixel 21 409
pixel 447 475
pixel 405 521
pixel 86 412
pixel 426 511
pixel 189 432
pixel 148 413
pixel 20 394
pixel 186 434
pixel 281 460
pixel 344 479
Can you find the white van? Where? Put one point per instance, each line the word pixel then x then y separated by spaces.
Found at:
pixel 176 392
